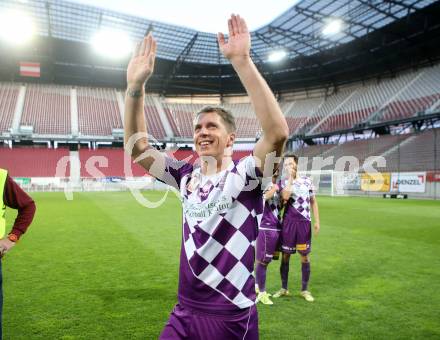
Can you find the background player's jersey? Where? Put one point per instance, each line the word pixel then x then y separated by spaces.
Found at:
pixel 302 190
pixel 270 218
pixel 221 214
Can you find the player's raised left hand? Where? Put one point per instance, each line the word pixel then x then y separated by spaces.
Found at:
pixel 141 65
pixel 238 45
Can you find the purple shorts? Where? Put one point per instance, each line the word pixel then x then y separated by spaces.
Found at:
pixel 267 242
pixel 189 324
pixel 296 235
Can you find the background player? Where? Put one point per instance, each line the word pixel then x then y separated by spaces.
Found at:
pixel 216 297
pixel 298 195
pixel 268 237
pixel 12 196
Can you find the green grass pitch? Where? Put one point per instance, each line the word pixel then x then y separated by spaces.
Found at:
pixel 104 267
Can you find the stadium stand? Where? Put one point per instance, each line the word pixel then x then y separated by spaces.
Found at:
pixel 407 95
pixel 415 99
pixel 8 100
pixel 420 153
pixel 327 108
pixel 246 122
pixel 152 117
pixel 314 150
pixel 32 162
pixel 47 109
pixel 181 117
pixel 173 124
pixel 342 111
pixel 240 109
pixel 390 99
pixel 300 112
pixel 98 111
pixel 406 152
pixel 361 149
pixel 247 127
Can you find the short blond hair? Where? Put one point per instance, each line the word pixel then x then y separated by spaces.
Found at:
pixel 225 115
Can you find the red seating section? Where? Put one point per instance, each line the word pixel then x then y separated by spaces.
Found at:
pixel 8 100
pixel 47 109
pixel 409 152
pixel 154 124
pixel 33 162
pixel 420 153
pixel 98 111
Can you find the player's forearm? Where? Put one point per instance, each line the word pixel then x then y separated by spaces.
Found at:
pixel 264 102
pixel 134 119
pixel 315 210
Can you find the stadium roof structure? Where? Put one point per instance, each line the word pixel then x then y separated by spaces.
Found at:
pixel 376 38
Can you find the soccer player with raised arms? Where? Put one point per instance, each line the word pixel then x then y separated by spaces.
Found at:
pixel 268 237
pixel 221 207
pixel 299 198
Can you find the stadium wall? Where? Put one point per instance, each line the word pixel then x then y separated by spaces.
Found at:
pixel 432 191
pixel 417 185
pixel 119 183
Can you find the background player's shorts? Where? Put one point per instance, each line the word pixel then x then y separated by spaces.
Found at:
pixel 267 242
pixel 296 235
pixel 188 324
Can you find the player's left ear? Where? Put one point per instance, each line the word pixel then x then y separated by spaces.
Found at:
pixel 231 140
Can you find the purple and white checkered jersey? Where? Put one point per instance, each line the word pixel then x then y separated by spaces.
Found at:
pixel 221 214
pixel 302 190
pixel 271 210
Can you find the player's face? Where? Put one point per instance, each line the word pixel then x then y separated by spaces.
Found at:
pixel 290 166
pixel 211 137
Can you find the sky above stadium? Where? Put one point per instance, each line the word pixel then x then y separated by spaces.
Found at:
pixel 202 15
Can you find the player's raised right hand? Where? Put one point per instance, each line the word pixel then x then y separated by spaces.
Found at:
pixel 141 65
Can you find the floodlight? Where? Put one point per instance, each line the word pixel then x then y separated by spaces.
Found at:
pixel 111 43
pixel 333 27
pixel 16 27
pixel 276 56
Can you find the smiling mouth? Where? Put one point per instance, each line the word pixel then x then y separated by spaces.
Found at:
pixel 205 144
